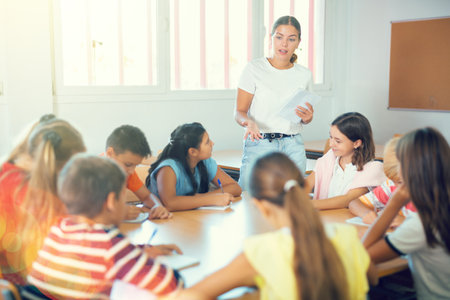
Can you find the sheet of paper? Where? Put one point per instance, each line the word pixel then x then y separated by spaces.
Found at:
pixel 215 207
pixel 178 261
pixel 123 290
pixel 141 218
pixel 357 221
pixel 300 97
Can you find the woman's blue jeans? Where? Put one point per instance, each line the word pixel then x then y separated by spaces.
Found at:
pixel 291 146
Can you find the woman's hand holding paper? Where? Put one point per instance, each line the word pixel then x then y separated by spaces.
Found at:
pixel 306 114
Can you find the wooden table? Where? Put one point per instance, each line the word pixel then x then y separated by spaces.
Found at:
pixel 230 161
pixel 215 237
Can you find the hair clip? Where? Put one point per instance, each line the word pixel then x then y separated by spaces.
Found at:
pixel 289 184
pixel 53 137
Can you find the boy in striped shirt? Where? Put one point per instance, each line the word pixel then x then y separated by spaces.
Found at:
pixel 85 252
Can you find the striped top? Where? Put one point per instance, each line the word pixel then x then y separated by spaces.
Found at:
pixel 81 261
pixel 379 197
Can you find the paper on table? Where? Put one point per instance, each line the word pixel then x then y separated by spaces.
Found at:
pixel 122 290
pixel 214 207
pixel 357 221
pixel 178 261
pixel 300 97
pixel 141 218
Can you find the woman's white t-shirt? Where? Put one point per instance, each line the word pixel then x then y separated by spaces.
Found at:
pixel 271 89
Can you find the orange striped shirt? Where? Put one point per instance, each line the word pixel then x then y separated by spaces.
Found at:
pixel 81 261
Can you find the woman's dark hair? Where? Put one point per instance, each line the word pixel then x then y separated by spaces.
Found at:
pixel 288 20
pixel 424 157
pixel 356 127
pixel 181 139
pixel 319 271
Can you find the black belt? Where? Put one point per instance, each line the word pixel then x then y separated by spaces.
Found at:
pixel 276 136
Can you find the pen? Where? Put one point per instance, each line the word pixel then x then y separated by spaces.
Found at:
pixel 221 187
pixel 152 236
pixel 220 184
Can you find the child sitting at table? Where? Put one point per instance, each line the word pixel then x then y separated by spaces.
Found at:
pixel 28 194
pixel 85 252
pixel 128 146
pixel 302 259
pixel 368 205
pixel 347 170
pixel 183 171
pixel 424 156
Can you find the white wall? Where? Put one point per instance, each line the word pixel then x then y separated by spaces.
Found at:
pixel 4 128
pixel 359 63
pixel 26 66
pixel 156 118
pixel 367 86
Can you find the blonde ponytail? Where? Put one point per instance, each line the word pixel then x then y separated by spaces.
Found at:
pixel 50 146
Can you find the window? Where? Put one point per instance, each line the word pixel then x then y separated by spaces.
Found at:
pixel 210 42
pixel 173 45
pixel 107 42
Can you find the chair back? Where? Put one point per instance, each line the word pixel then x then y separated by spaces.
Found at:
pixel 8 291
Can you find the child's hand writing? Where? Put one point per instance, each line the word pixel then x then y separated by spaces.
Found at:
pixel 222 199
pixel 133 212
pixel 370 217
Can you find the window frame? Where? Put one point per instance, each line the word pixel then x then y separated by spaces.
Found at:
pixel 162 90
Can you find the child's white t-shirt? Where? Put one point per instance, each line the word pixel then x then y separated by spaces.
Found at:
pixel 430 267
pixel 341 179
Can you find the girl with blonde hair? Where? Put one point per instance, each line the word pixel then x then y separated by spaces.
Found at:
pixel 50 145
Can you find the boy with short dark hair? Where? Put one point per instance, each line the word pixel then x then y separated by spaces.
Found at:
pixel 85 252
pixel 128 146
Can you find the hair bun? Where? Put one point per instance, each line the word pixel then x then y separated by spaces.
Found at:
pixel 53 137
pixel 293 58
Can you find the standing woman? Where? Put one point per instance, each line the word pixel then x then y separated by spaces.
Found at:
pixel 265 86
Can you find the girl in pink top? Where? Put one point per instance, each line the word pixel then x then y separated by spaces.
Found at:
pixel 347 171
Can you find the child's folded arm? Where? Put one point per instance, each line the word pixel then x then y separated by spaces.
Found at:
pixel 339 201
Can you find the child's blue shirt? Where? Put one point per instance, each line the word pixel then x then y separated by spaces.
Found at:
pixel 183 185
